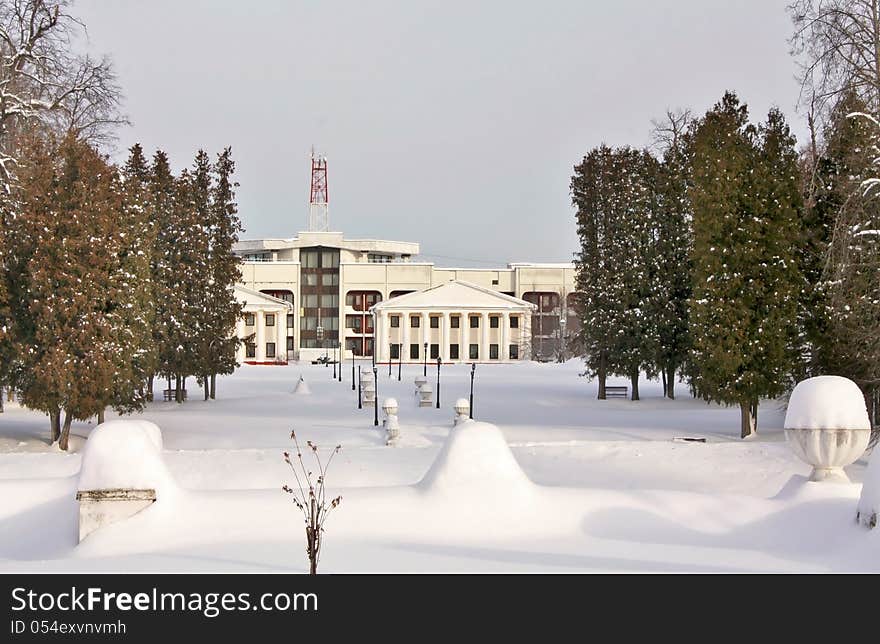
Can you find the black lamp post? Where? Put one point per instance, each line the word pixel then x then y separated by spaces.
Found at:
pixel 439 361
pixel 352 368
pixel 425 372
pixel 389 360
pixel 334 362
pixel 360 404
pixel 399 360
pixel 341 358
pixel 473 368
pixel 375 396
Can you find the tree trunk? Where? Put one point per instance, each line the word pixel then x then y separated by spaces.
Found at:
pixel 55 424
pixel 670 383
pixel 101 415
pixel 748 418
pixel 602 373
pixel 206 384
pixel 663 378
pixel 1 400
pixel 65 431
pixel 214 385
pixel 634 381
pixel 150 388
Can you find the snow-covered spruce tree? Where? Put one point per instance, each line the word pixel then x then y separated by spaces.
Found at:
pixel 67 283
pixel 613 193
pixel 670 266
pixel 136 298
pixel 161 200
pixel 852 345
pixel 834 195
pixel 225 310
pixel 199 272
pixel 746 201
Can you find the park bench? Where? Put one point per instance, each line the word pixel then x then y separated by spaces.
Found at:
pixel 616 392
pixel 168 394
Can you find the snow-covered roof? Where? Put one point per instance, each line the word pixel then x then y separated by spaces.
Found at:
pixel 254 299
pixel 455 294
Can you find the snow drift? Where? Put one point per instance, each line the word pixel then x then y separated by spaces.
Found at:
pixel 827 402
pixel 476 459
pixel 125 454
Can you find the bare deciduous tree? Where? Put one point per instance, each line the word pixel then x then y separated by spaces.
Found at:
pixel 309 496
pixel 44 83
pixel 838 42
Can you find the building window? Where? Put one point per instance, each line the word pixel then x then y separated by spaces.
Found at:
pixel 494 282
pixel 309 258
pixel 308 323
pixel 270 349
pixel 330 259
pixel 249 319
pixel 435 351
pixel 395 352
pixel 455 321
pixel 379 258
pixel 493 322
pixel 453 352
pixel 414 321
pixel 270 319
pixel 290 320
pixel 354 322
pixel 310 279
pixel 514 322
pixel 414 352
pixel 493 352
pixel 330 279
pixel 475 321
pixel 474 352
pixel 395 321
pixel 310 301
pixel 250 350
pixel 435 322
pixel 514 352
pixel 329 301
pixel 290 345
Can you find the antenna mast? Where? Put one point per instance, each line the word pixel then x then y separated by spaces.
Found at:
pixel 319 197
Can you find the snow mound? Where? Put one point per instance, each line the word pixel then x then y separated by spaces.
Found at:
pixel 869 502
pixel 301 387
pixel 476 460
pixel 827 402
pixel 125 454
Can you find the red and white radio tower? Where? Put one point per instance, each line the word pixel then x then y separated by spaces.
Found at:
pixel 319 197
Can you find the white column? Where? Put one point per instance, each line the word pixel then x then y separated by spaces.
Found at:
pixel 426 334
pixel 444 337
pixel 239 333
pixel 281 335
pixel 505 336
pixel 404 350
pixel 484 336
pixel 259 322
pixel 380 333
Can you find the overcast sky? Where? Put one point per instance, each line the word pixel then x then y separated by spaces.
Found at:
pixel 454 124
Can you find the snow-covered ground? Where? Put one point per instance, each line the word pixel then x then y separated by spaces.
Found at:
pixel 592 485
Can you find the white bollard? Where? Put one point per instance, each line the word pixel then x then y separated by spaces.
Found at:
pixel 425 395
pixel 462 411
pixel 391 424
pixel 419 381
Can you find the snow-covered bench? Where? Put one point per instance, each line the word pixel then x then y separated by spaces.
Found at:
pixel 616 392
pixel 169 394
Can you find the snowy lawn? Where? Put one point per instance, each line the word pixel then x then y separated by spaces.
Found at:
pixel 592 485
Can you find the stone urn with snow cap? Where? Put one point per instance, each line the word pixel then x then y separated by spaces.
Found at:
pixel 827 425
pixel 391 423
pixel 462 411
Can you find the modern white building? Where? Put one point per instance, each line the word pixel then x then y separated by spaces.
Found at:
pixel 263 328
pixel 332 283
pixel 456 322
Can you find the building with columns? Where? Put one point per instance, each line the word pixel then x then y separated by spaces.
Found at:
pixel 263 328
pixel 332 283
pixel 456 322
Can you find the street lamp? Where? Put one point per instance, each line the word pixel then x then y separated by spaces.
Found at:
pixel 341 357
pixel 473 368
pixel 376 395
pixel 425 372
pixel 399 360
pixel 334 362
pixel 352 368
pixel 360 404
pixel 439 361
